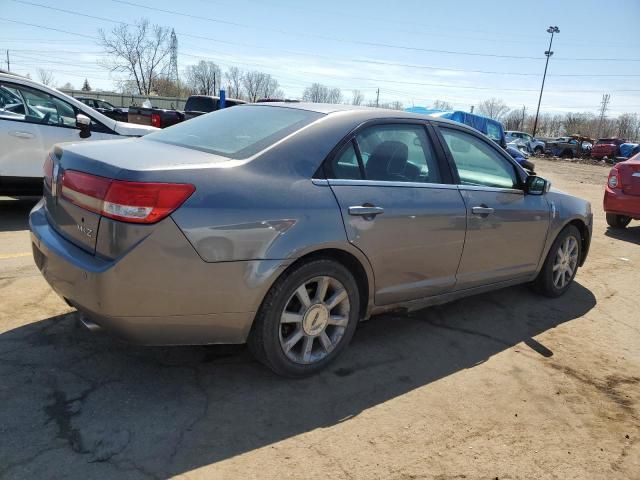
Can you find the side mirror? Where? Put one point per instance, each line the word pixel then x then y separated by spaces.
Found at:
pixel 537 185
pixel 84 124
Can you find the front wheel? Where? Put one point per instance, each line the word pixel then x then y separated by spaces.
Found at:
pixel 307 318
pixel 561 265
pixel 618 221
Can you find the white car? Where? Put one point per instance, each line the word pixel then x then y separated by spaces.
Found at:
pixel 33 118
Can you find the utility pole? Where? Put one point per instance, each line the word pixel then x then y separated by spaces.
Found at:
pixel 472 107
pixel 603 111
pixel 8 62
pixel 548 53
pixel 378 97
pixel 524 109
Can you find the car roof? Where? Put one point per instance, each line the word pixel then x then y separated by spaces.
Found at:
pixel 361 112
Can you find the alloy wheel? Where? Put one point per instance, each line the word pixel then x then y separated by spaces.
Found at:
pixel 314 320
pixel 566 262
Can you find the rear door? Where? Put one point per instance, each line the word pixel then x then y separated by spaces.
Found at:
pixel 506 229
pixel 400 208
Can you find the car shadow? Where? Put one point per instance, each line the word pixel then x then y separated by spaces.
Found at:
pixel 630 234
pixel 85 406
pixel 14 213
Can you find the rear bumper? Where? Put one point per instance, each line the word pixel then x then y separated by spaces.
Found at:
pixel 620 203
pixel 160 292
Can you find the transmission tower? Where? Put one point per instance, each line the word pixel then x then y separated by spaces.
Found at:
pixel 173 60
pixel 603 111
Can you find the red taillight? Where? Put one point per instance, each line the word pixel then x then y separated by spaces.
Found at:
pixel 155 120
pixel 47 169
pixel 136 202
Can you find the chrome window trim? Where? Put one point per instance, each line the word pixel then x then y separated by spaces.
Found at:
pixel 482 188
pixel 383 183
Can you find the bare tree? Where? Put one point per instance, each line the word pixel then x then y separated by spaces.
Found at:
pixel 357 98
pixel 141 51
pixel 493 108
pixel 270 87
pixel 627 125
pixel 318 93
pixel 233 77
pixel 67 86
pixel 442 105
pixel 204 78
pixel 46 77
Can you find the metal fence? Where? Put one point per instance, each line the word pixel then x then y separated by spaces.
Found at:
pixel 128 100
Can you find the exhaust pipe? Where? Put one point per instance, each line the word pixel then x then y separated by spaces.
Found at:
pixel 89 324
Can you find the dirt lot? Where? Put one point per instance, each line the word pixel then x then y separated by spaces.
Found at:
pixel 506 385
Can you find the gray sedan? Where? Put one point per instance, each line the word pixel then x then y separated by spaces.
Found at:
pixel 283 225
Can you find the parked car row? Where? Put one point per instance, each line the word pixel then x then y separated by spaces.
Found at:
pixel 195 106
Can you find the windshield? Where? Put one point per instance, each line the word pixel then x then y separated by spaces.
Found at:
pixel 237 132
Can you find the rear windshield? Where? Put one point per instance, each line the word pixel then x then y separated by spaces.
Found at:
pixel 237 132
pixel 201 104
pixel 605 141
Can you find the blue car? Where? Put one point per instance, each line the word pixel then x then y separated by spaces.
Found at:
pixel 519 157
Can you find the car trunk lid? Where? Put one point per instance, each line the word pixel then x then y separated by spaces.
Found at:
pixel 83 189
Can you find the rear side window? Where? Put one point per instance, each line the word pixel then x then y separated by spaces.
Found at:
pixel 345 165
pixel 201 104
pixel 398 153
pixel 236 132
pixel 477 162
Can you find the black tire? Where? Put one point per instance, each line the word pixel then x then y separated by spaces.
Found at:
pixel 544 282
pixel 538 151
pixel 618 221
pixel 265 338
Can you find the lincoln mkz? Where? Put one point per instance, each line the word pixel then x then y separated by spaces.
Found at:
pixel 284 225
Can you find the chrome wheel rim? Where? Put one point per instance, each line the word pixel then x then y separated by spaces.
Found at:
pixel 314 320
pixel 566 262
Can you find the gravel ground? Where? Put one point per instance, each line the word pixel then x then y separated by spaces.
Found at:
pixel 506 385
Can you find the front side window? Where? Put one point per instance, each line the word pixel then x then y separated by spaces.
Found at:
pixel 398 153
pixel 477 162
pixel 34 106
pixel 236 133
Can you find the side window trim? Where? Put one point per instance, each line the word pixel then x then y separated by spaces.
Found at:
pixel 356 147
pixel 518 171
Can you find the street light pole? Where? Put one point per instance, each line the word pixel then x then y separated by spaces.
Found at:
pixel 548 53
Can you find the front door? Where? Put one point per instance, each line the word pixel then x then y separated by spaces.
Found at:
pixel 398 211
pixel 506 229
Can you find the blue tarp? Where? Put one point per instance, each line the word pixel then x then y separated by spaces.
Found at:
pixel 629 149
pixel 491 128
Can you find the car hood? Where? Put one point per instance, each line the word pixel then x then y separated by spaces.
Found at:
pixel 132 129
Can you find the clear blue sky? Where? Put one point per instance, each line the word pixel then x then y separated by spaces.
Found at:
pixel 303 42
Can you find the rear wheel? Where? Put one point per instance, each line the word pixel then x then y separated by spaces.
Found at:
pixel 561 265
pixel 617 221
pixel 307 319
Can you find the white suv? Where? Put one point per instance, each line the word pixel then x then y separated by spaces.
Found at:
pixel 33 118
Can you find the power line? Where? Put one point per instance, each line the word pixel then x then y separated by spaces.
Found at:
pixel 372 62
pixel 323 37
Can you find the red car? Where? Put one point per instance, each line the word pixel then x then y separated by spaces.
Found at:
pixel 622 194
pixel 606 147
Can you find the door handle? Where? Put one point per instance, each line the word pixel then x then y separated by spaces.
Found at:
pixel 365 211
pixel 21 134
pixel 482 210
